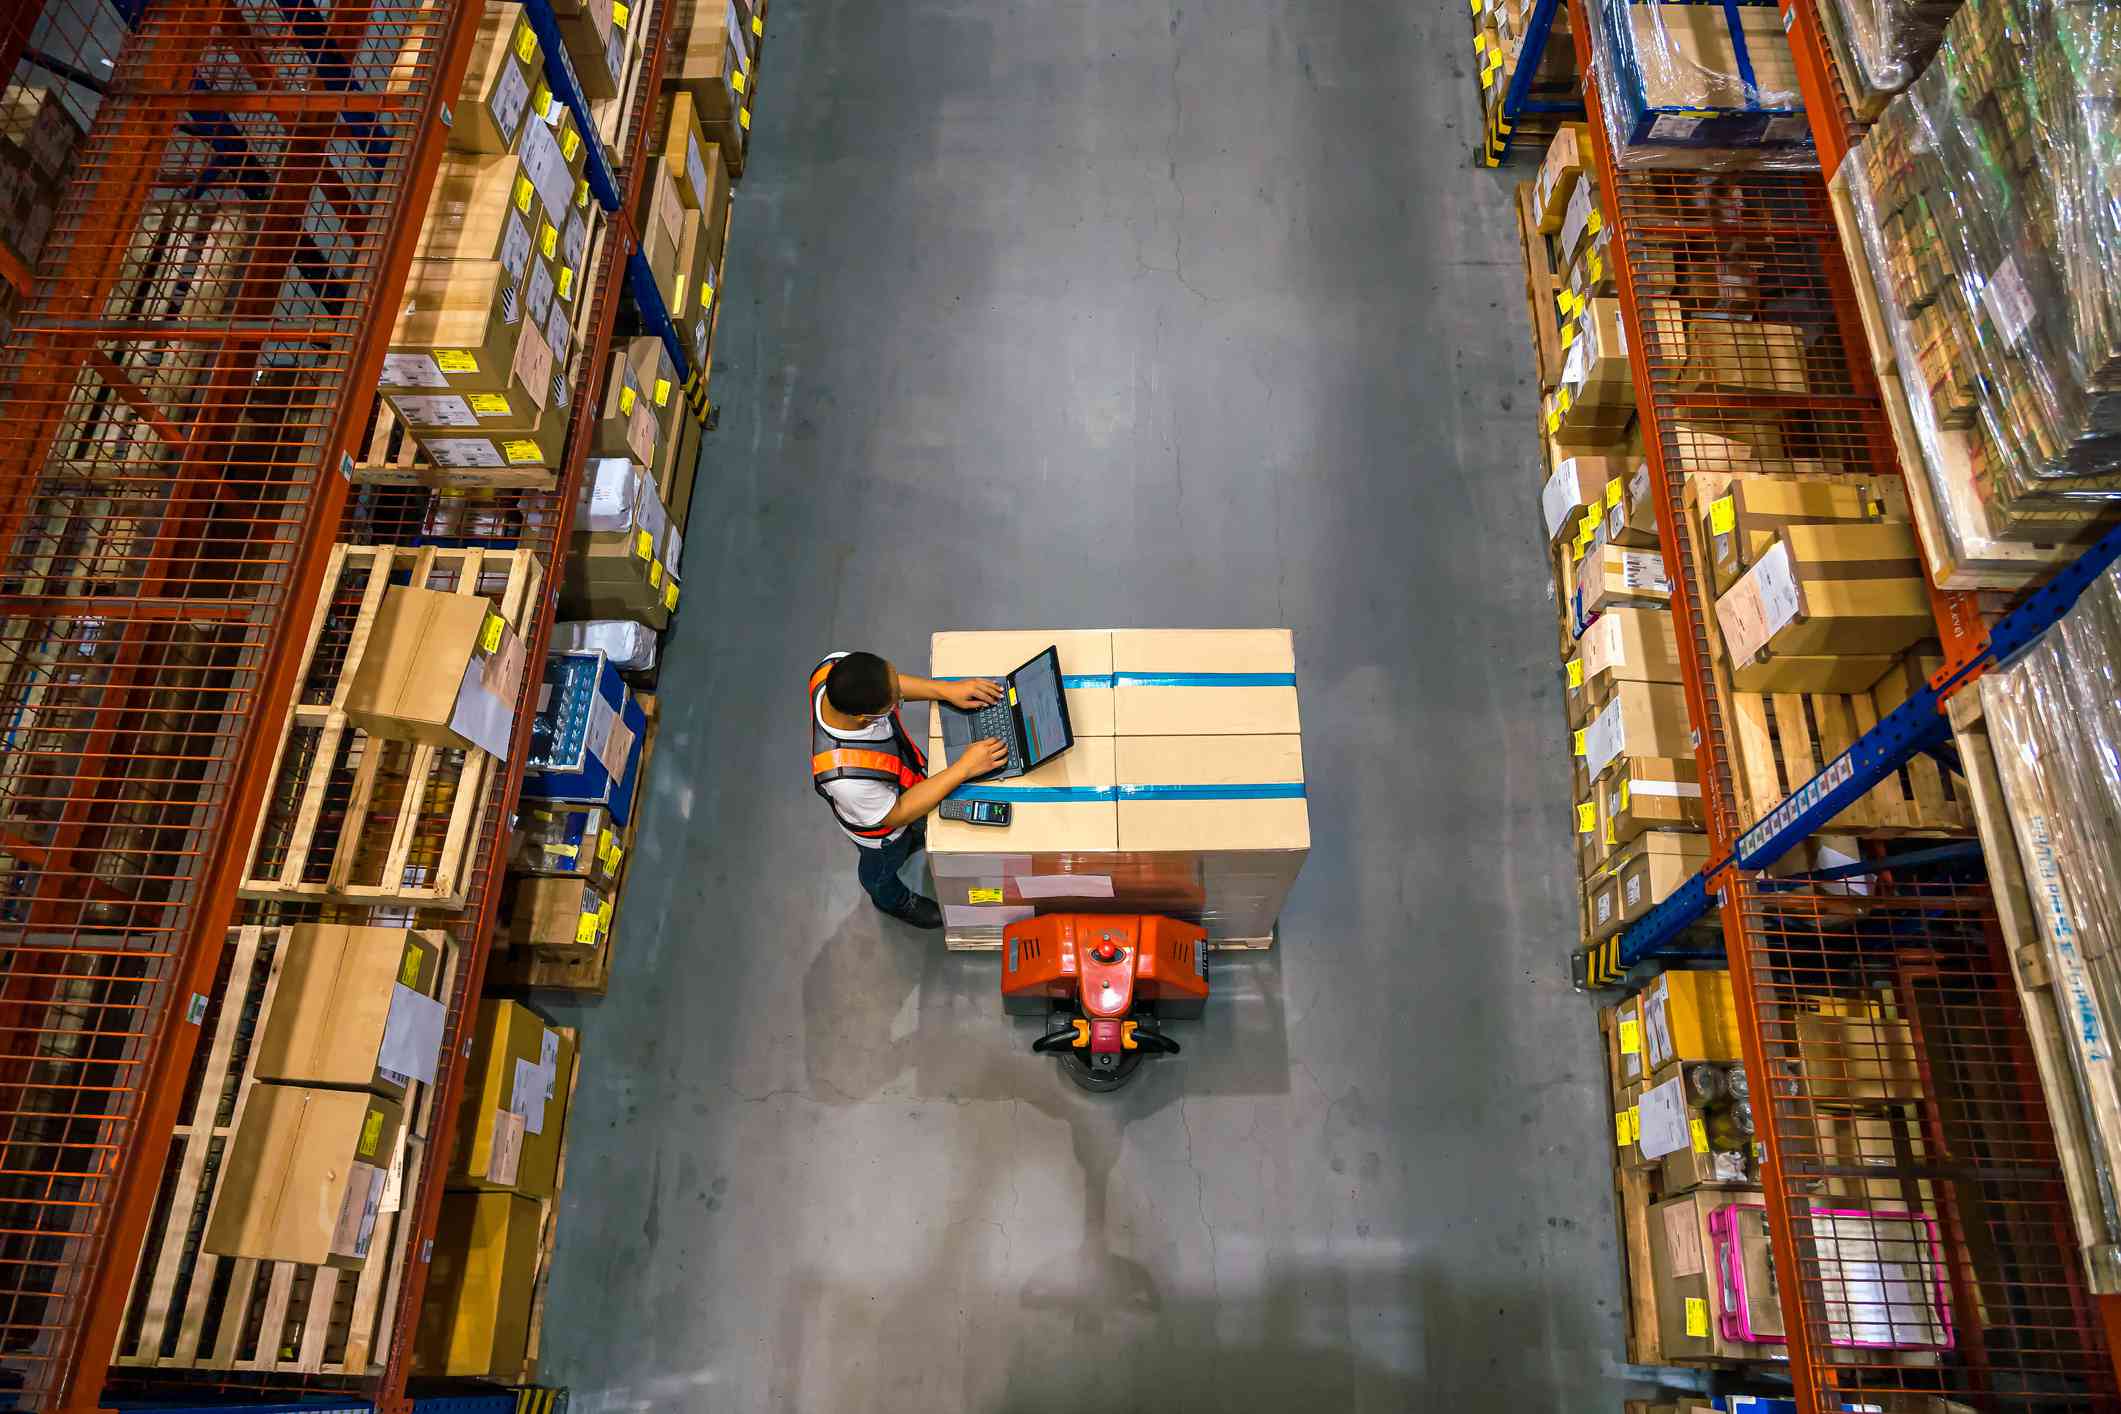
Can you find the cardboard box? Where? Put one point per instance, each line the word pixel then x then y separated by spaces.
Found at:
pixel 1630 509
pixel 595 46
pixel 694 317
pixel 1695 64
pixel 1581 218
pixel 1584 819
pixel 1085 662
pixel 1641 793
pixel 707 63
pixel 1847 1059
pixel 1629 1026
pixel 567 918
pixel 1577 485
pixel 541 444
pixel 587 737
pixel 626 424
pixel 303 1177
pixel 1740 524
pixel 1883 1142
pixel 1689 1016
pixel 659 381
pixel 444 669
pixel 619 503
pixel 660 219
pixel 1684 1276
pixel 1083 825
pixel 1741 356
pixel 1639 719
pixel 1595 356
pixel 474 213
pixel 456 331
pixel 354 1009
pixel 686 153
pixel 1184 682
pixel 515 1103
pixel 475 1320
pixel 1601 904
pixel 1225 793
pixel 566 842
pixel 489 112
pixel 1614 576
pixel 1629 644
pixel 1568 157
pixel 610 581
pixel 1839 590
pixel 1653 865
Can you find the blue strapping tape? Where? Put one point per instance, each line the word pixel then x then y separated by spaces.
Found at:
pixel 1036 795
pixel 1277 790
pixel 1204 679
pixel 1079 795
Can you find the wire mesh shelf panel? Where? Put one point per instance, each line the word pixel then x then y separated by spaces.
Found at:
pixel 173 397
pixel 1925 1242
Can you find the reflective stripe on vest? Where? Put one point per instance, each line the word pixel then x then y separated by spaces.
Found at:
pixel 833 758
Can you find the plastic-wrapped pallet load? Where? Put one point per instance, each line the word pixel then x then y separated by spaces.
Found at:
pixel 1883 45
pixel 1699 86
pixel 1986 198
pixel 2055 719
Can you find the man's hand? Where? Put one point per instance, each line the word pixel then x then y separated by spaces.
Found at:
pixel 972 694
pixel 981 757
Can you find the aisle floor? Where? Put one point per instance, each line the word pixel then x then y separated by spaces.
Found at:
pixel 1123 314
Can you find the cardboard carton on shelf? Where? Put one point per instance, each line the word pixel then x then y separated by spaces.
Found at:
pixel 1688 1017
pixel 1629 1027
pixel 660 219
pixel 543 443
pixel 475 1318
pixel 658 377
pixel 443 669
pixel 566 917
pixel 1859 1061
pixel 1640 793
pixel 694 313
pixel 456 331
pixel 1693 1143
pixel 587 736
pixel 612 581
pixel 1590 849
pixel 1629 644
pixel 690 158
pixel 1577 485
pixel 626 424
pixel 303 1177
pixel 495 99
pixel 709 61
pixel 1568 157
pixel 1581 218
pixel 1683 1272
pixel 596 46
pixel 566 842
pixel 1741 356
pixel 1630 510
pixel 514 1105
pixel 1739 524
pixel 355 1009
pixel 620 503
pixel 1653 865
pixel 682 473
pixel 1601 900
pixel 1614 576
pixel 1223 682
pixel 1830 591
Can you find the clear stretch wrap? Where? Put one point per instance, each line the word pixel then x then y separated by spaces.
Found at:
pixel 2055 719
pixel 1699 86
pixel 1985 198
pixel 1884 44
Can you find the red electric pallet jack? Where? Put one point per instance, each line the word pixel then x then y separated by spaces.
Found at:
pixel 1105 984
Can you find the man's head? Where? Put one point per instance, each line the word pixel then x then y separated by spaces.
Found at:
pixel 862 685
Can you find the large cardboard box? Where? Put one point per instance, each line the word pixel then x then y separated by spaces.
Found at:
pixel 1653 865
pixel 1629 644
pixel 1740 524
pixel 1568 157
pixel 1689 1016
pixel 1204 819
pixel 475 1320
pixel 1741 356
pixel 515 1103
pixel 443 669
pixel 1184 682
pixel 505 60
pixel 1830 590
pixel 1857 1059
pixel 1640 793
pixel 595 44
pixel 303 1177
pixel 1611 576
pixel 1639 719
pixel 1683 1272
pixel 354 1009
pixel 709 62
pixel 616 581
pixel 626 423
pixel 1577 485
pixel 660 220
pixel 567 917
pixel 457 330
pixel 660 386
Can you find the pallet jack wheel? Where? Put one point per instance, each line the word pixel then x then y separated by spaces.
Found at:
pixel 1100 1080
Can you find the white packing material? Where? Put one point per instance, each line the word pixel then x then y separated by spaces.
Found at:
pixel 629 646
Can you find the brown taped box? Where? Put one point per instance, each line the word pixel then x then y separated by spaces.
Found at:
pixel 1682 1267
pixel 1847 1060
pixel 1832 591
pixel 494 103
pixel 1614 576
pixel 464 317
pixel 1739 356
pixel 475 1319
pixel 1739 525
pixel 1576 486
pixel 694 315
pixel 1653 865
pixel 1141 708
pixel 498 1146
pixel 412 674
pixel 625 425
pixel 331 1009
pixel 1568 156
pixel 658 377
pixel 303 1178
pixel 704 61
pixel 1083 653
pixel 1630 509
pixel 660 217
pixel 1641 793
pixel 1639 719
pixel 610 581
pixel 560 916
pixel 1688 1017
pixel 596 47
pixel 1630 644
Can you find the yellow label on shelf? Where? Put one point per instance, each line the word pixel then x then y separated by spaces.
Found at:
pixel 526 40
pixel 706 293
pixel 1586 818
pixel 490 633
pixel 1623 794
pixel 570 144
pixel 662 392
pixel 1620 1129
pixel 655 574
pixel 585 928
pixel 581 191
pixel 620 13
pixel 604 844
pixel 1480 44
pixel 1697 1317
pixel 743 119
pixel 521 451
pixel 670 594
pixel 737 80
pixel 1564 399
pixel 604 914
pixel 1568 335
pixel 548 238
pixel 643 544
pixel 1576 743
pixel 1631 1037
pixel 490 404
pixel 1723 515
pixel 524 190
pixel 371 1133
pixel 456 361
pixel 985 895
pixel 409 970
pixel 1699 1135
pixel 1596 223
pixel 1634 1124
pixel 540 99
pixel 758 24
pixel 1575 672
pixel 1553 420
pixel 1613 490
pixel 567 283
pixel 626 396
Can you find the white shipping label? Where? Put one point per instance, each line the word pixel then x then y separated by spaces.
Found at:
pixel 527 1098
pixel 1657 1022
pixel 2008 302
pixel 576 239
pixel 1605 906
pixel 540 293
pixel 1560 496
pixel 1758 605
pixel 515 244
pixel 695 169
pixel 1605 738
pixel 412 1034
pixel 511 99
pixel 357 1211
pixel 559 334
pixel 1032 886
pixel 504 1158
pixel 736 37
pixel 1633 890
pixel 1639 483
pixel 1664 1128
pixel 547 170
pixel 1672 127
pixel 1644 569
pixel 602 718
pixel 451 411
pixel 1576 366
pixel 409 370
pixel 1682 790
pixel 462 451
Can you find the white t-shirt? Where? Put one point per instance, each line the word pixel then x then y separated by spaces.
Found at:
pixel 861 801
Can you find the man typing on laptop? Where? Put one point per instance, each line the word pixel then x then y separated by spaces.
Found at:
pixel 868 769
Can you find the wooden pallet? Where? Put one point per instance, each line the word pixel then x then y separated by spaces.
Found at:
pixel 192 1310
pixel 1778 741
pixel 549 1222
pixel 522 968
pixel 1540 286
pixel 364 821
pixel 2079 1132
pixel 1989 562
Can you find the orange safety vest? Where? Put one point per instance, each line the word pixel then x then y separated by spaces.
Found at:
pixel 833 759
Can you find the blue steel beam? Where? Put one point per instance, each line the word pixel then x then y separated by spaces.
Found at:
pixel 1517 96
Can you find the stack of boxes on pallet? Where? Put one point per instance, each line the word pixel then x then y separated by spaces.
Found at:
pixel 1687 1175
pixel 1501 31
pixel 1183 795
pixel 38 135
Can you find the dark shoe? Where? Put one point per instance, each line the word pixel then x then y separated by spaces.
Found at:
pixel 920 912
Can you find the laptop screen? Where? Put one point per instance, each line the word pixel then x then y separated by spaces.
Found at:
pixel 1044 712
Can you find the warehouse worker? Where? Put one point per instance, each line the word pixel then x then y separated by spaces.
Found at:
pixel 873 776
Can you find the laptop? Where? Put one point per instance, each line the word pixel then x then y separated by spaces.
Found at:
pixel 1031 719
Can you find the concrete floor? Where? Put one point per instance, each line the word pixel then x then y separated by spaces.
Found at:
pixel 1123 313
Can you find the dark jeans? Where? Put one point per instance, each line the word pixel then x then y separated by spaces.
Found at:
pixel 879 868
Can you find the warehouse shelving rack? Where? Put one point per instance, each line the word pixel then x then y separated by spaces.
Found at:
pixel 1911 948
pixel 180 400
pixel 1503 126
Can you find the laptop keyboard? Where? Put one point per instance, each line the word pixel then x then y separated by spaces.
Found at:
pixel 995 720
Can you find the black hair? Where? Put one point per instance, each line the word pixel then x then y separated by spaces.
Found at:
pixel 860 685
